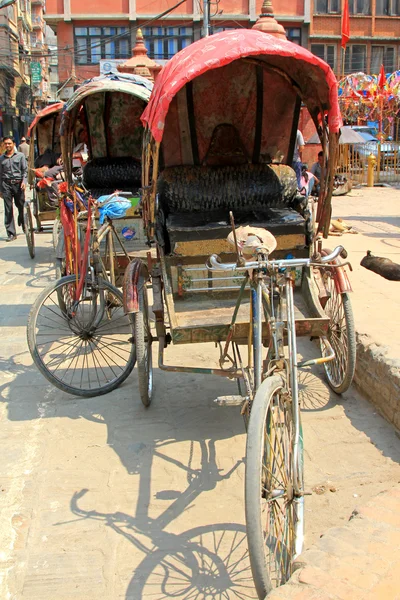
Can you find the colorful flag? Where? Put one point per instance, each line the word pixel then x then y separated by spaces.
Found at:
pixel 381 78
pixel 345 24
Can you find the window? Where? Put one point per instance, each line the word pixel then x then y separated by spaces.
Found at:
pixel 382 55
pixel 164 42
pixel 360 7
pixel 95 43
pixel 293 34
pixel 326 52
pixel 388 7
pixel 326 7
pixel 355 59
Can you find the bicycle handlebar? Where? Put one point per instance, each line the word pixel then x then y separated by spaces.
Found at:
pixel 215 264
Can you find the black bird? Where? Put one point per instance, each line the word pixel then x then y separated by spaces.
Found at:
pixel 383 266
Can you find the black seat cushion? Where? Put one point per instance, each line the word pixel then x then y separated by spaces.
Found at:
pixel 112 173
pixel 215 225
pixel 242 187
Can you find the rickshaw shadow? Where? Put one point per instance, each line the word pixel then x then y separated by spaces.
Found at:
pixel 176 440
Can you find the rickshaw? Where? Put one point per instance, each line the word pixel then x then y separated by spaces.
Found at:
pixel 78 334
pixel 103 116
pixel 239 257
pixel 45 138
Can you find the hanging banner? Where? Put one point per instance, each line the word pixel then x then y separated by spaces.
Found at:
pixel 36 72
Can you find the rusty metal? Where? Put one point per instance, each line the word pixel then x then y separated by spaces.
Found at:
pixel 130 285
pixel 339 274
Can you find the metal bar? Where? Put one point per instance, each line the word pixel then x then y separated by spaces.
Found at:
pixel 217 278
pixel 216 289
pixel 291 324
pixel 235 314
pixel 256 300
pixel 321 359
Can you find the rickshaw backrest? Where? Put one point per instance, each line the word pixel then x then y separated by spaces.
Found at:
pixel 239 188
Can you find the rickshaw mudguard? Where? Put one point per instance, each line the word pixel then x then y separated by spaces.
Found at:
pixel 136 275
pixel 340 277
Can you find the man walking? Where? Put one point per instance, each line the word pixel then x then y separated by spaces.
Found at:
pixel 13 174
pixel 24 147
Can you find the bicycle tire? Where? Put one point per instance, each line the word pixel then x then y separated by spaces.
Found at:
pixel 342 336
pixel 143 342
pixel 73 329
pixel 271 568
pixel 29 232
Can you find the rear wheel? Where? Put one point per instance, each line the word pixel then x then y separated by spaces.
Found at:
pixel 85 347
pixel 341 334
pixel 274 515
pixel 28 226
pixel 143 342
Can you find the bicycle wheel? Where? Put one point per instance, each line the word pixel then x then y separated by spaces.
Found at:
pixel 274 516
pixel 342 336
pixel 86 347
pixel 28 226
pixel 143 342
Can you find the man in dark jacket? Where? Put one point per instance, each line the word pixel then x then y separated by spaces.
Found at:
pixel 13 177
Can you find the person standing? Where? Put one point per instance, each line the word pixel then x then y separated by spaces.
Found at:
pixel 13 177
pixel 316 170
pixel 298 156
pixel 24 147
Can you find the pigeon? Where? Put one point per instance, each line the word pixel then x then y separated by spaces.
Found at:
pixel 383 266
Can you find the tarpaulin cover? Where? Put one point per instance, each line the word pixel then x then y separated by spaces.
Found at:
pixel 315 80
pixel 49 110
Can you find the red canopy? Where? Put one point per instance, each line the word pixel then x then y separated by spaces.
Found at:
pixel 49 110
pixel 313 77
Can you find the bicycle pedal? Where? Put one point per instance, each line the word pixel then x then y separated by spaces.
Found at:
pixel 230 400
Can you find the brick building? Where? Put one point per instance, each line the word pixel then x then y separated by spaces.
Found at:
pixel 374 35
pixel 100 30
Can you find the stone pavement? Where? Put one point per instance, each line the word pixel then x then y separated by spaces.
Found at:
pixel 375 213
pixel 100 498
pixel 360 560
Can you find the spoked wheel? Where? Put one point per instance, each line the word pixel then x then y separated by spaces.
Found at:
pixel 341 335
pixel 29 233
pixel 143 343
pixel 274 515
pixel 85 347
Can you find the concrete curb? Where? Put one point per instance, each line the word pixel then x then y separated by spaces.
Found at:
pixel 378 378
pixel 358 561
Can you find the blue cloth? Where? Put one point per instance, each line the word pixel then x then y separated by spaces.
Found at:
pixel 113 208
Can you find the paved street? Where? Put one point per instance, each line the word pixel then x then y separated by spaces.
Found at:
pixel 101 498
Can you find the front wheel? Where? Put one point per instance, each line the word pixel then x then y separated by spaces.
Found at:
pixel 143 342
pixel 29 232
pixel 274 512
pixel 342 336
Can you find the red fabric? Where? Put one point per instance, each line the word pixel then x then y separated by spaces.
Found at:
pixel 345 24
pixel 381 78
pixel 224 48
pixel 49 110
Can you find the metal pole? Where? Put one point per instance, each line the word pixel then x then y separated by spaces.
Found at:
pixel 206 18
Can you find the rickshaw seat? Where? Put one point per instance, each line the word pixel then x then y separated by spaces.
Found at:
pixel 216 226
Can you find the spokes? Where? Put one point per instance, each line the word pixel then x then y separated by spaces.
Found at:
pixel 336 369
pixel 85 345
pixel 277 489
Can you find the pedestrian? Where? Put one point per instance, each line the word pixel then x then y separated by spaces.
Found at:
pixel 316 170
pixel 298 156
pixel 24 147
pixel 13 177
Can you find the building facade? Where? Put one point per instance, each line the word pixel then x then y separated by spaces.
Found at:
pixel 374 35
pixel 23 65
pixel 97 31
